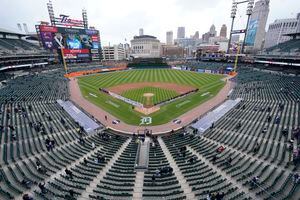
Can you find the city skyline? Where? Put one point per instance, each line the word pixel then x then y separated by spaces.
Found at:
pixel 111 17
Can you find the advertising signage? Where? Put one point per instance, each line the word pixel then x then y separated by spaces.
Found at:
pixel 64 20
pixel 74 41
pixel 251 33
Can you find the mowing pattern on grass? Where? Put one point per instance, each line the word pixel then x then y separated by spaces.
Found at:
pixel 159 94
pixel 205 82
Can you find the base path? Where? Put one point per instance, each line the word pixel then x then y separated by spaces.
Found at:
pixel 186 118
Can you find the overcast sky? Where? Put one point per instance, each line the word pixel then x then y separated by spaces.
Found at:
pixel 120 19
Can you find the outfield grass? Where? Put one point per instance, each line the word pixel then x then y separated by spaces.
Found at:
pixel 208 84
pixel 159 94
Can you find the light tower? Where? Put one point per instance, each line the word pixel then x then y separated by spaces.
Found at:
pixel 233 14
pixel 85 19
pixel 51 12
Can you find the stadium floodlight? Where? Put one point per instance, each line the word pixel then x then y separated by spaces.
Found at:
pixel 250 7
pixel 233 9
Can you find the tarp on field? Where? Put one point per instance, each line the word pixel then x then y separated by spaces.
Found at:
pixel 205 122
pixel 85 121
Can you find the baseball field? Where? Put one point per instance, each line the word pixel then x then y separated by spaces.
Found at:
pixel 150 87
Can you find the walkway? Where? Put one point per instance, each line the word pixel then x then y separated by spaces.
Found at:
pixel 138 186
pixel 187 190
pixel 186 119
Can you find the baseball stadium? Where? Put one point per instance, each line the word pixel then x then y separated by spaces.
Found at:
pixel 154 121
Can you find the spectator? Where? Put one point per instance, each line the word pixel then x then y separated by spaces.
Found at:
pixel 229 160
pixel 238 125
pixel 27 197
pixel 52 144
pixel 69 173
pixel 284 132
pixel 71 192
pixel 85 161
pixel 153 178
pixel 192 159
pixel 157 173
pixel 256 148
pixel 220 149
pixel 42 188
pixel 212 125
pixel 81 141
pixel 38 165
pixel 269 118
pixel 14 136
pixel 214 159
pixel 51 129
pixel 93 145
pixel 210 196
pixel 219 196
pixel 26 183
pixel 255 181
pixel 296 178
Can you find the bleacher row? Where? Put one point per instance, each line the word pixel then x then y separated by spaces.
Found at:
pixel 11 46
pixel 288 46
pixel 270 105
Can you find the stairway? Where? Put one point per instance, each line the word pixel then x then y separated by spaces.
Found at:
pixel 138 186
pixel 99 177
pixel 142 157
pixel 182 181
pixel 62 171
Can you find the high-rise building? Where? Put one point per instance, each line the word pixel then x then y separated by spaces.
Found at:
pixel 169 38
pixel 145 46
pixel 196 36
pixel 212 31
pixel 141 32
pixel 223 31
pixel 180 32
pixel 278 29
pixel 205 37
pixel 114 53
pixel 256 30
pixel 235 38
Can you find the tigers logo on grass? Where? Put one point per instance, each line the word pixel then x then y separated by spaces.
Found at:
pixel 146 120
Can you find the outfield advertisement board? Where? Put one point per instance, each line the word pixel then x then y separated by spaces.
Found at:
pixel 77 43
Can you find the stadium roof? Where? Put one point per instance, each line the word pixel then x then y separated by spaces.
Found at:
pixel 144 36
pixel 8 32
pixel 292 34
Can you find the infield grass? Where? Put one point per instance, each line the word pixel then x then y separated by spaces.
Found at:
pixel 159 94
pixel 208 84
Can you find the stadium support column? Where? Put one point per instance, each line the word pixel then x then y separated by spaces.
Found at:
pixel 85 19
pixel 230 35
pixel 51 13
pixel 233 14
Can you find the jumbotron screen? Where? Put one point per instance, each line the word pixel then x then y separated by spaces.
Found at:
pixel 77 43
